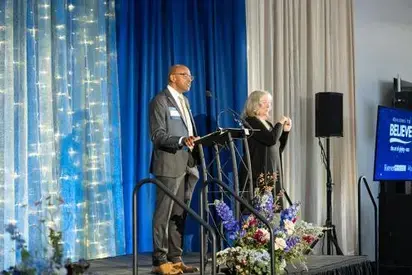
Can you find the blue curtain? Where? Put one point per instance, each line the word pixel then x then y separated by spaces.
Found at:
pixel 207 36
pixel 60 157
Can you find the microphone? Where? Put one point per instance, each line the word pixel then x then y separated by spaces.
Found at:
pixel 239 119
pixel 236 117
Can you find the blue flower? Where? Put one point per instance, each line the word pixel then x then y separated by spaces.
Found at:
pixel 228 220
pixel 264 205
pixel 289 213
pixel 279 231
pixel 291 243
pixel 259 256
pixel 269 207
pixel 15 235
pixel 11 228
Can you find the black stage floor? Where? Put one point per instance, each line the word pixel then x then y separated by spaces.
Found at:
pixel 320 265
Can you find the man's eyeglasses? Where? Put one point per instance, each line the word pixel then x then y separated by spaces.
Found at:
pixel 191 77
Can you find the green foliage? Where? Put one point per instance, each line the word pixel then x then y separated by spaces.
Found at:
pixel 32 264
pixel 55 238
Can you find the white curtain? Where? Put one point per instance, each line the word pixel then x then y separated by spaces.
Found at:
pixel 60 161
pixel 297 48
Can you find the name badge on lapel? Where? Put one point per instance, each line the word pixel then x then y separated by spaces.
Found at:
pixel 174 113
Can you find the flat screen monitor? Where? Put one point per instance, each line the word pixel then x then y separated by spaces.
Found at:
pixel 393 145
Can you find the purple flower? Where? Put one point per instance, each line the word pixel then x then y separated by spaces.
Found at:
pixel 291 243
pixel 230 224
pixel 264 205
pixel 268 208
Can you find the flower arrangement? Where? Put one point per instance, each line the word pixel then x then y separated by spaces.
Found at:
pixel 51 260
pixel 249 253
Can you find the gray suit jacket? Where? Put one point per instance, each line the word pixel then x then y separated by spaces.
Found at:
pixel 169 159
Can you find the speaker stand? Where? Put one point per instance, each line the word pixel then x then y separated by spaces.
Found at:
pixel 331 238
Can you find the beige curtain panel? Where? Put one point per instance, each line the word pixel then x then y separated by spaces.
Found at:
pixel 297 48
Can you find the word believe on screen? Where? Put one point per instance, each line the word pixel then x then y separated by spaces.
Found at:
pixel 393 153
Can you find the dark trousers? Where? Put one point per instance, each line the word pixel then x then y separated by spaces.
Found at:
pixel 169 218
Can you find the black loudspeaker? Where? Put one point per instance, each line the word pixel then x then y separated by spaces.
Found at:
pixel 329 114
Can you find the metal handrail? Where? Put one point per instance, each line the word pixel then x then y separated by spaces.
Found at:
pixel 249 207
pixel 375 208
pixel 181 204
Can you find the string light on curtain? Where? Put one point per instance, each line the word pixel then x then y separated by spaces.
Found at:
pixel 60 160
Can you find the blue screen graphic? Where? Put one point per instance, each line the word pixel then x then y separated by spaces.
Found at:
pixel 393 148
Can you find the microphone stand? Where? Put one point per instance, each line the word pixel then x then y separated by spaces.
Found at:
pixel 214 195
pixel 210 96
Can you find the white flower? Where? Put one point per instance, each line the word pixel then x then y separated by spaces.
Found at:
pixel 60 271
pixel 50 252
pixel 282 264
pixel 280 244
pixel 290 227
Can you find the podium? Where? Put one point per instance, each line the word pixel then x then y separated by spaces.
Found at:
pixel 223 139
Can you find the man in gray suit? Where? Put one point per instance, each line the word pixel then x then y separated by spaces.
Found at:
pixel 173 134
